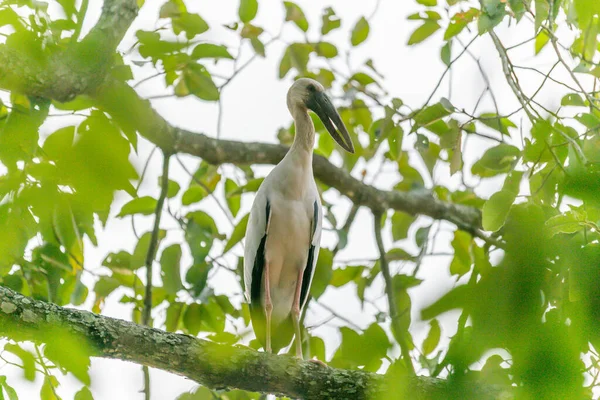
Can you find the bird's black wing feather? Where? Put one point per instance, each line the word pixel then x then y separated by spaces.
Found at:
pixel 307 276
pixel 259 264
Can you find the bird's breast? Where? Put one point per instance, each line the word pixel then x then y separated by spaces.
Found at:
pixel 286 251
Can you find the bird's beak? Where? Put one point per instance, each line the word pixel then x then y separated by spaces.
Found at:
pixel 320 103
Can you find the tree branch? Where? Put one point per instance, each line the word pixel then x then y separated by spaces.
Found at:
pixel 397 329
pixel 210 364
pixel 79 68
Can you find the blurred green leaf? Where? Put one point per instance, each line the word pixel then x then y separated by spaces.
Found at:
pixel 326 49
pixel 428 28
pixel 432 114
pixel 231 197
pixel 248 10
pixel 360 32
pixel 84 394
pixel 209 50
pixel 461 263
pixel 141 205
pixel 10 392
pixel 433 337
pixel 496 209
pixel 27 360
pixel 294 13
pixel 459 21
pixel 197 81
pixel 401 222
pixel 323 273
pixel 330 21
pixel 170 261
pixel 238 233
pixel 572 99
pixel 47 391
pixel 496 160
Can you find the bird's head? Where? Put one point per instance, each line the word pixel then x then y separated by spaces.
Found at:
pixel 309 94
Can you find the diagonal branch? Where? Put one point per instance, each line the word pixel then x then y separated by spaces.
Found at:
pixel 208 363
pixel 123 104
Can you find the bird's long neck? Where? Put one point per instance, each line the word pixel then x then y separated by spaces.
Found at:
pixel 305 135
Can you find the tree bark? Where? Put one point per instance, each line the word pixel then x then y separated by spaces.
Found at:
pixel 211 364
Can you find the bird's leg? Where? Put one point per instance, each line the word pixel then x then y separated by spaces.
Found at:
pixel 268 307
pixel 296 315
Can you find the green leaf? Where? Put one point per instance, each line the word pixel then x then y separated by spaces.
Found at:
pixel 191 24
pixel 258 46
pixel 326 49
pixel 541 40
pixel 573 99
pixel 172 188
pixel 209 50
pixel 432 114
pixel 501 124
pixel 199 83
pixel 295 56
pixel 401 222
pixel 569 222
pixel 174 313
pixel 461 263
pixel 84 394
pixel 496 209
pixel 238 233
pixel 496 160
pixel 428 3
pixel 170 262
pixel 27 360
pixel 362 79
pixel 491 16
pixel 323 273
pixel 142 205
pixel 248 10
pixel 295 14
pixel 446 54
pixel 433 337
pixel 398 254
pixel 542 10
pixel 10 392
pixel 341 277
pixel 428 28
pixel 330 21
pixel 232 197
pixel 193 195
pixel 459 22
pixel 47 391
pixel 138 259
pixel 360 32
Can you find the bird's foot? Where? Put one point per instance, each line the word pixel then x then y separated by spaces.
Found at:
pixel 318 362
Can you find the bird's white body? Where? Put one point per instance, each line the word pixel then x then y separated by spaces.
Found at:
pixel 284 230
pixel 292 193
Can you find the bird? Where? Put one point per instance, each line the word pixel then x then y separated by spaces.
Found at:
pixel 283 234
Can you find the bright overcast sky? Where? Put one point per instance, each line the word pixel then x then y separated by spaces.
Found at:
pixel 254 109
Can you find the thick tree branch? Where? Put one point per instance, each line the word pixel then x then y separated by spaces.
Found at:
pixel 123 104
pixel 208 363
pixel 75 70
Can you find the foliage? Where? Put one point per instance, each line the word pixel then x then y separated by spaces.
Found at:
pixel 527 289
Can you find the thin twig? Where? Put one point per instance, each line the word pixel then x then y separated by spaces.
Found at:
pixel 510 75
pixel 152 247
pixel 389 289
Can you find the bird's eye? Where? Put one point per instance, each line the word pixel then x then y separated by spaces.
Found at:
pixel 311 88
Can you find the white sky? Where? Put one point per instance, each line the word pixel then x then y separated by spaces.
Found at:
pixel 254 108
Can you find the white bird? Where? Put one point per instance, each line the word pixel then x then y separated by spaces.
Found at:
pixel 284 230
